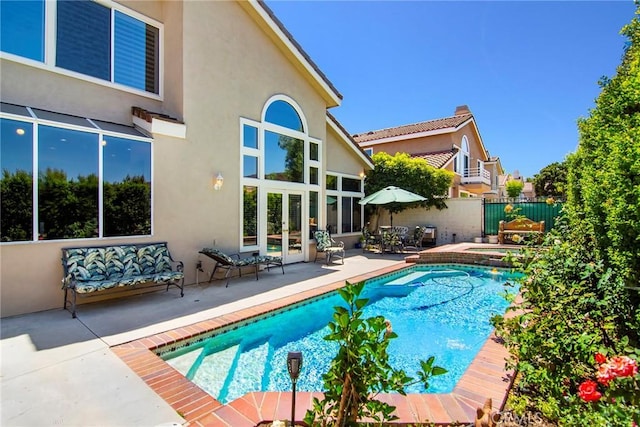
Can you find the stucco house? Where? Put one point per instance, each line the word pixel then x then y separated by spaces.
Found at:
pixel 453 143
pixel 199 123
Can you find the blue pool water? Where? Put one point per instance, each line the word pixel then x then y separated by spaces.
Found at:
pixel 442 311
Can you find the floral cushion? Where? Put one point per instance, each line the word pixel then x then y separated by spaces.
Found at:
pixel 323 240
pixel 94 269
pixel 226 258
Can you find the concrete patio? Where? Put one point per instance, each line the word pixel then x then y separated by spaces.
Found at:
pixel 60 371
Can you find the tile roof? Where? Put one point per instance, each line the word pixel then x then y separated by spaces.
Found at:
pixel 437 159
pixel 447 122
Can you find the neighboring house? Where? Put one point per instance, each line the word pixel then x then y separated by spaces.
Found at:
pixel 451 143
pixel 528 190
pixel 199 123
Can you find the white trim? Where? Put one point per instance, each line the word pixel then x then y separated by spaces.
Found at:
pixel 255 5
pixel 161 127
pixel 346 140
pixel 50 46
pixel 296 107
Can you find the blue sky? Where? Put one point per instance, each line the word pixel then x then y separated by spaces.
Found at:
pixel 527 70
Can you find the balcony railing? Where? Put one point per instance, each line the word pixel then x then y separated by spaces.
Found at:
pixel 476 176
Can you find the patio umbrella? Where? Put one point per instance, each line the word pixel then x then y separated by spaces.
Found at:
pixel 391 194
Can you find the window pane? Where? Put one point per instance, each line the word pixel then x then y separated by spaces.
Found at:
pixel 314 151
pixel 346 214
pixel 250 167
pixel 332 182
pixel 22 28
pixel 126 187
pixel 313 176
pixel 84 38
pixel 349 184
pixel 250 136
pixel 332 214
pixel 135 53
pixel 283 114
pixel 67 183
pixel 250 217
pixel 357 215
pixel 313 212
pixel 16 182
pixel 283 158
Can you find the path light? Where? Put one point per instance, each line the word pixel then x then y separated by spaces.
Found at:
pixel 294 365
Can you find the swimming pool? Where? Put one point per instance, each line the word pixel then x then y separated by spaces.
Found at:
pixel 436 310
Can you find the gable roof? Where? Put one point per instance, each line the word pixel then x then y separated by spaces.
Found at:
pixel 437 159
pixel 449 123
pixel 283 39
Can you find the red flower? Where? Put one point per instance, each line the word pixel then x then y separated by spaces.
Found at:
pixel 588 391
pixel 605 374
pixel 623 366
pixel 600 358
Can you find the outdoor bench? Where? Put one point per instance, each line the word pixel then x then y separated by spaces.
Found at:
pixel 91 269
pixel 517 230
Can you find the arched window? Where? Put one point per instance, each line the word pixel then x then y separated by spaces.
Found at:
pixel 283 114
pixel 463 157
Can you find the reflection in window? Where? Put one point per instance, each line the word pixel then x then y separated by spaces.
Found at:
pixel 126 187
pixel 351 215
pixel 249 166
pixel 284 159
pixel 283 114
pixel 136 52
pixel 350 184
pixel 314 151
pixel 250 216
pixel 250 136
pixel 313 212
pixel 22 28
pixel 313 176
pixel 332 214
pixel 16 182
pixel 67 184
pixel 332 182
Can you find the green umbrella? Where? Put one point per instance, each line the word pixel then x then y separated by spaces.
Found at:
pixel 391 194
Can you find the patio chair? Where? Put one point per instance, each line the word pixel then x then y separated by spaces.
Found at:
pixel 414 240
pixel 325 244
pixel 369 239
pixel 234 262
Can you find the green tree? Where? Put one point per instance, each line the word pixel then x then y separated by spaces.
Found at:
pixel 551 181
pixel 16 204
pixel 581 293
pixel 361 369
pixel 514 187
pixel 411 174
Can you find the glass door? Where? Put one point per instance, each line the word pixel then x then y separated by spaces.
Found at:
pixel 284 226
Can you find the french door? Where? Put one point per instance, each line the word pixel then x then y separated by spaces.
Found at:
pixel 284 231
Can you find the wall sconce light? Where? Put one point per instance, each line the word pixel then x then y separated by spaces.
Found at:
pixel 217 185
pixel 294 365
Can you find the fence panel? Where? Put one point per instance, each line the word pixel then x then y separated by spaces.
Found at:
pixel 536 211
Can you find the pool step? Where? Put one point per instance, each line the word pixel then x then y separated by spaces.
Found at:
pixel 409 278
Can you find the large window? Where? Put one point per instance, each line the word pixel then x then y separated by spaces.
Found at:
pixel 109 43
pixel 277 153
pixel 342 206
pixel 88 183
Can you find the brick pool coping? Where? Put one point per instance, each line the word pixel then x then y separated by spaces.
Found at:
pixel 486 377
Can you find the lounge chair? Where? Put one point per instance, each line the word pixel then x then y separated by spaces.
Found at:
pixel 325 244
pixel 234 262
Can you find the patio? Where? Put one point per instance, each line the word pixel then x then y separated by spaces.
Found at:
pixel 61 371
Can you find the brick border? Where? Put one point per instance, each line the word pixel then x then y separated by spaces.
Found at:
pixel 486 377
